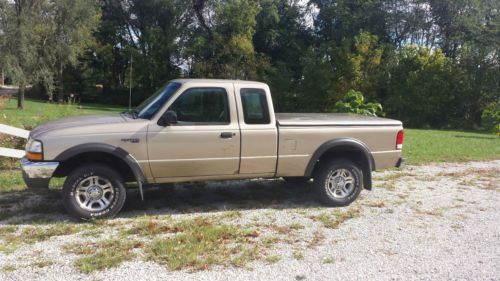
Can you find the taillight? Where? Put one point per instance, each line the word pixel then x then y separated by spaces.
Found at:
pixel 399 140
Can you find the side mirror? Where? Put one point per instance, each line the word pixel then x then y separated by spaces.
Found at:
pixel 168 118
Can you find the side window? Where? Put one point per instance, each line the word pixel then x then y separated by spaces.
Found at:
pixel 255 109
pixel 202 106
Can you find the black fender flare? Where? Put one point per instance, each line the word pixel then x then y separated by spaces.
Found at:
pixel 105 148
pixel 344 142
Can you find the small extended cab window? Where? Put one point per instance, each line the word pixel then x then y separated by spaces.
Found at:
pixel 202 106
pixel 255 109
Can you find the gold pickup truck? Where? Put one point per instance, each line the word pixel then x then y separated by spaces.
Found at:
pixel 200 130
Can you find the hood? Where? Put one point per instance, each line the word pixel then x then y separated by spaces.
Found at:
pixel 78 121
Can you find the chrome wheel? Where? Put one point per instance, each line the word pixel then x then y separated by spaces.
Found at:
pixel 94 194
pixel 340 183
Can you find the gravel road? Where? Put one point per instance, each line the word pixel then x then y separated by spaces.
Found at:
pixel 433 222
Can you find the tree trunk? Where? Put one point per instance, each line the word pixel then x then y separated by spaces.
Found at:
pixel 20 97
pixel 1 78
pixel 60 77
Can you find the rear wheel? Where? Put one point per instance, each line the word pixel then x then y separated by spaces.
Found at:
pixel 338 182
pixel 93 191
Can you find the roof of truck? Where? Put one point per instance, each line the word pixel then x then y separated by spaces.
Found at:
pixel 185 80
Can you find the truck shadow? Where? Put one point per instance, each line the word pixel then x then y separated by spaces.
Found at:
pixel 45 207
pixel 219 196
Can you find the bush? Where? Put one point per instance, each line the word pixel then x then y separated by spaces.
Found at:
pixel 491 118
pixel 354 102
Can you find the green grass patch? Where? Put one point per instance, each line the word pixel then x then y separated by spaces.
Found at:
pixel 202 244
pixel 11 180
pixel 423 146
pixel 37 112
pixel 337 217
pixel 12 238
pixel 104 254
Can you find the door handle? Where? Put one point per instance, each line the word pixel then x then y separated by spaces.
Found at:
pixel 227 135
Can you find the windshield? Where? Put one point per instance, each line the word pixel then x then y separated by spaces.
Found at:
pixel 151 105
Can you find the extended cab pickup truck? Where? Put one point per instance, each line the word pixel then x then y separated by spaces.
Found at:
pixel 199 130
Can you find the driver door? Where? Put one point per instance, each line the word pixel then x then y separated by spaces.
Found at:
pixel 204 142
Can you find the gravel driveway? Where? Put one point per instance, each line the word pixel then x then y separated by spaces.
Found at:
pixel 434 222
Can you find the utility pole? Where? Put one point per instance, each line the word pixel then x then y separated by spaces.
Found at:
pixel 130 87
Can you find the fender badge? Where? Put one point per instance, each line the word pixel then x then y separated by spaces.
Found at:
pixel 131 140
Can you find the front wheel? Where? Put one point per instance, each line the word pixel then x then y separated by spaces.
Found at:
pixel 93 191
pixel 338 182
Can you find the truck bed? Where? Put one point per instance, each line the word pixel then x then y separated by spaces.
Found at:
pixel 332 119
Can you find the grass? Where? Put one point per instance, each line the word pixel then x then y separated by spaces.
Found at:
pixel 201 244
pixel 424 146
pixel 104 254
pixel 337 217
pixel 11 238
pixel 37 112
pixel 273 259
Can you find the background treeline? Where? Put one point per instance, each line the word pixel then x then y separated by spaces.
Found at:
pixel 430 63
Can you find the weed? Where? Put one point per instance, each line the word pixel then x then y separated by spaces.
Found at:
pixel 335 219
pixel 201 244
pixel 42 263
pixel 31 235
pixel 272 259
pixel 8 268
pixel 328 260
pixel 105 254
pixel 376 204
pixel 317 239
pixel 296 226
pixel 298 255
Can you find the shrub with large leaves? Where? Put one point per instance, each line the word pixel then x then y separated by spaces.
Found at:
pixel 491 118
pixel 354 102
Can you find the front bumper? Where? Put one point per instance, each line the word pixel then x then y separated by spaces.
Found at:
pixel 37 174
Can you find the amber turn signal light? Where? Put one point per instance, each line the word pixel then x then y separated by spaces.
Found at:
pixel 34 156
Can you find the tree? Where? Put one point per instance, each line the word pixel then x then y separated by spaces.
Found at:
pixel 72 25
pixel 221 44
pixel 24 40
pixel 282 36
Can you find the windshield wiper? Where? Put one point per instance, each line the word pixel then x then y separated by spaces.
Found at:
pixel 133 113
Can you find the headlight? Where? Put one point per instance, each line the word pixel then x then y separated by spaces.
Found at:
pixel 34 150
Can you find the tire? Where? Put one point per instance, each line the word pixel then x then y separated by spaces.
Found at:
pixel 338 182
pixel 93 191
pixel 297 181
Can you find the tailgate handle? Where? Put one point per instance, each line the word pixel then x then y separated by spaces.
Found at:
pixel 227 135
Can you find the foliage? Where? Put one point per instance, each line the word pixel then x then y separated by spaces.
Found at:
pixel 422 87
pixel 491 117
pixel 354 102
pixel 430 63
pixel 23 26
pixel 71 27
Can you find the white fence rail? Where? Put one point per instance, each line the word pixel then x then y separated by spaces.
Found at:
pixel 13 131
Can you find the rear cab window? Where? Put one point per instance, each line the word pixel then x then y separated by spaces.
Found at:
pixel 255 106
